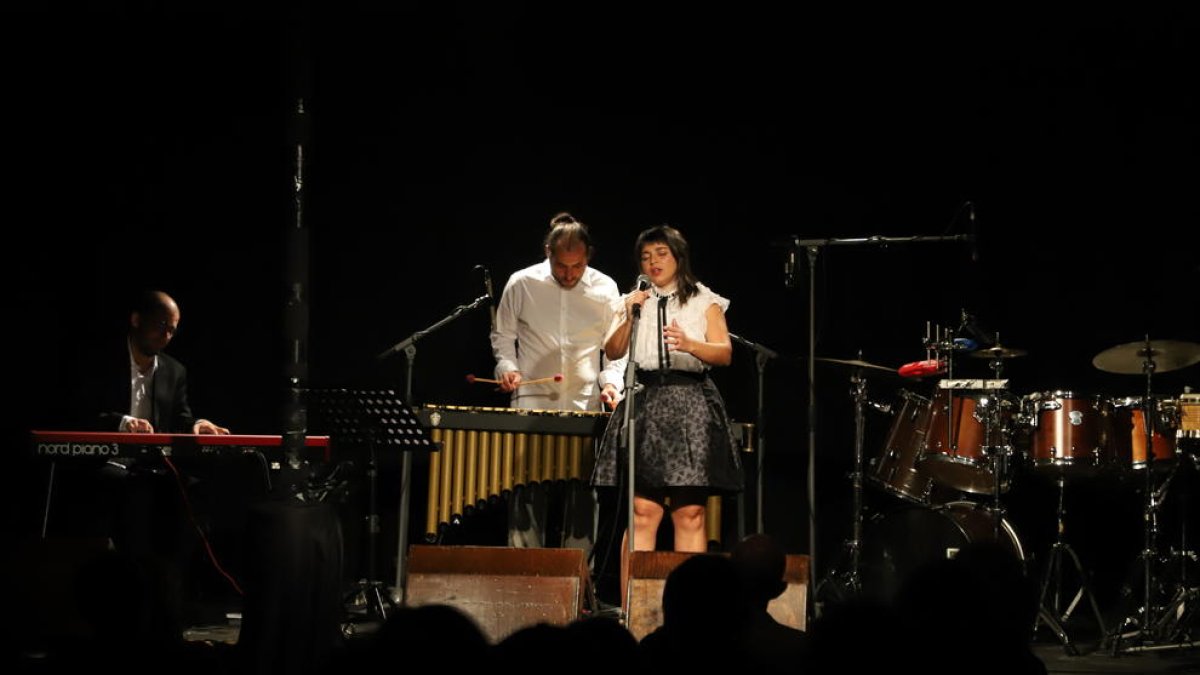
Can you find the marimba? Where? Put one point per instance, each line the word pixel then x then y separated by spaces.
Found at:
pixel 486 452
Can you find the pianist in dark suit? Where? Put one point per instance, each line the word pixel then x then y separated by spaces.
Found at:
pixel 133 386
pixel 156 398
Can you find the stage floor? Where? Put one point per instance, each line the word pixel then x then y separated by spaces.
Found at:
pixel 1051 652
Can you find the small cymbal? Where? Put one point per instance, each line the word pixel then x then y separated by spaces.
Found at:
pixel 857 363
pixel 1129 358
pixel 999 352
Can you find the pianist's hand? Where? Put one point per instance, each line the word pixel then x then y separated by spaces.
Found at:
pixel 206 427
pixel 139 426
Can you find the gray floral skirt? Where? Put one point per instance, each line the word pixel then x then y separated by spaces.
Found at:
pixel 683 436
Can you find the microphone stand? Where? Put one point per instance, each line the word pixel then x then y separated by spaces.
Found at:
pixel 813 246
pixel 630 447
pixel 409 346
pixel 762 355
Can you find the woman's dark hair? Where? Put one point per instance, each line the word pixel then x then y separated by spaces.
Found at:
pixel 685 280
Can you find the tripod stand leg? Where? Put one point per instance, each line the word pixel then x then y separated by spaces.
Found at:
pixel 1053 572
pixel 1050 613
pixel 1085 589
pixel 1044 616
pixel 1047 614
pixel 377 600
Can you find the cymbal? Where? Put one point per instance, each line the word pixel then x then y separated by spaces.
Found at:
pixel 999 352
pixel 857 363
pixel 1168 355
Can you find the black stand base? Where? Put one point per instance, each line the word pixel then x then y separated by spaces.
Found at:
pixel 1051 613
pixel 368 605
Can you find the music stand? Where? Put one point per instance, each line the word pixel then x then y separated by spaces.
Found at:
pixel 371 419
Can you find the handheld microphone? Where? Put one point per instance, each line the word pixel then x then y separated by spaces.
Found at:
pixel 643 283
pixel 789 268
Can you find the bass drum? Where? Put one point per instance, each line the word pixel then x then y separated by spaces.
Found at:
pixel 898 544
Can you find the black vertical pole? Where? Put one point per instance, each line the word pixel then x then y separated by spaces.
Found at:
pixel 296 315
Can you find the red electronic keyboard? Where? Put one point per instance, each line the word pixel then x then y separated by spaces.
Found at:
pixel 81 445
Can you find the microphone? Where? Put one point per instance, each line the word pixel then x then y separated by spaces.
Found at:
pixel 643 283
pixel 487 286
pixel 789 268
pixel 972 232
pixel 970 330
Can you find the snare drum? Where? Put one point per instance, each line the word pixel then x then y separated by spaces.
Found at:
pixel 895 469
pixel 956 441
pixel 1129 432
pixel 1068 431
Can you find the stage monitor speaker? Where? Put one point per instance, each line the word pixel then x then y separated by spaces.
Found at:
pixel 648 571
pixel 502 589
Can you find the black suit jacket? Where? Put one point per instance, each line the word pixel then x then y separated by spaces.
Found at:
pixel 107 392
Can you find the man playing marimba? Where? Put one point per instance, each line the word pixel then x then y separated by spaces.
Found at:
pixel 551 320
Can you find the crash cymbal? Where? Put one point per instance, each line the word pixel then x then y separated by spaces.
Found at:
pixel 999 352
pixel 1128 359
pixel 857 363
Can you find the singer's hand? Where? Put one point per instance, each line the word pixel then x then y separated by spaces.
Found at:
pixel 676 339
pixel 609 396
pixel 634 299
pixel 510 380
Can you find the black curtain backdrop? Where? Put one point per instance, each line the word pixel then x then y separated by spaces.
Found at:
pixel 151 149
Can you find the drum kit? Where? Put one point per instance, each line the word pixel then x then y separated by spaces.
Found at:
pixel 949 457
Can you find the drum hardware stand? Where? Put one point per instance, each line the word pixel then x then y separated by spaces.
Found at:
pixel 849 581
pixel 1148 623
pixel 1180 610
pixel 1052 613
pixel 1169 629
pixel 1153 631
pixel 939 347
pixel 1182 606
pixel 793 244
pixel 999 454
pixel 999 460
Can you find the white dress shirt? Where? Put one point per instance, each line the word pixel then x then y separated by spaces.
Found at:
pixel 543 329
pixel 140 391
